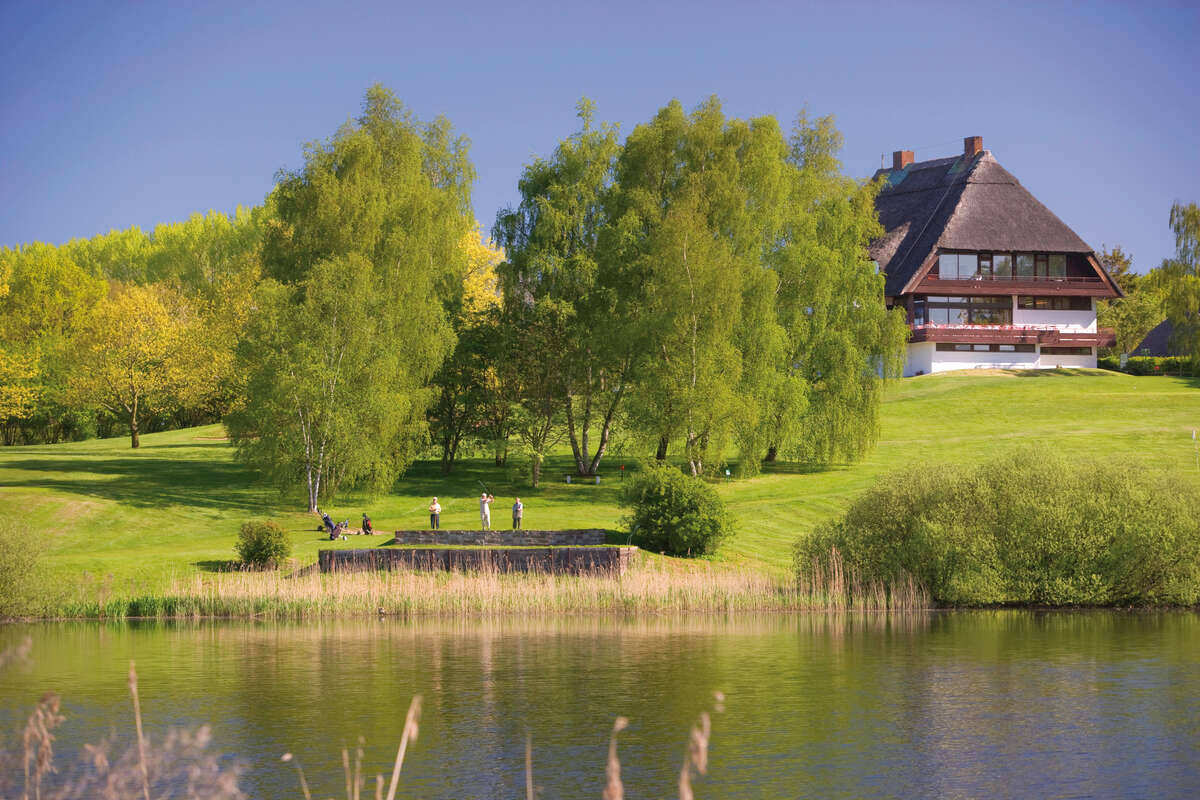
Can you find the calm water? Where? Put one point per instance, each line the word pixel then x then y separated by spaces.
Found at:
pixel 988 704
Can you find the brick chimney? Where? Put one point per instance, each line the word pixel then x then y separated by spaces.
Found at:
pixel 972 146
pixel 901 159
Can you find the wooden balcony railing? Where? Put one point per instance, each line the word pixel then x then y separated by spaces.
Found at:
pixel 1011 334
pixel 1029 284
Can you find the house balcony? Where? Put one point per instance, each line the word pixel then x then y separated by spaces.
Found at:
pixel 1011 334
pixel 1028 285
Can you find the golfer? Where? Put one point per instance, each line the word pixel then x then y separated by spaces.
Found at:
pixel 485 510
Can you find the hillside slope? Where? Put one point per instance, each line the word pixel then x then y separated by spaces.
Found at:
pixel 101 512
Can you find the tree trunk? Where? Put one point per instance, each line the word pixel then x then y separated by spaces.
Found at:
pixel 580 455
pixel 135 441
pixel 772 452
pixel 537 471
pixel 661 453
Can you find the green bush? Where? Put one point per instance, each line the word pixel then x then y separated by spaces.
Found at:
pixel 675 513
pixel 263 543
pixel 1029 528
pixel 1149 365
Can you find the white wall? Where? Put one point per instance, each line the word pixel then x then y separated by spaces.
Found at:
pixel 925 359
pixel 1050 362
pixel 944 361
pixel 919 360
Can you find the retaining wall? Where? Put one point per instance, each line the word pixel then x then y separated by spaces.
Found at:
pixel 574 560
pixel 509 538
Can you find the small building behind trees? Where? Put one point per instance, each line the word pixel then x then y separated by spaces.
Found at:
pixel 989 277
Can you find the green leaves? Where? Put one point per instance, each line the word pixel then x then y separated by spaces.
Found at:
pixel 1027 527
pixel 366 258
pixel 675 513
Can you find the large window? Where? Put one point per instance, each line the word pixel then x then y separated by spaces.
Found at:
pixel 953 347
pixel 962 310
pixel 1054 303
pixel 1066 351
pixel 1001 266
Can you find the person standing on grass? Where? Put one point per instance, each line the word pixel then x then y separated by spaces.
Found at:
pixel 485 510
pixel 435 515
pixel 518 512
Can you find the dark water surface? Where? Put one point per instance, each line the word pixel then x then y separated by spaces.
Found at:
pixel 982 704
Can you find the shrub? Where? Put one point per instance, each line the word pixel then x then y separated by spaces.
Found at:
pixel 263 543
pixel 675 513
pixel 1031 527
pixel 21 589
pixel 1149 365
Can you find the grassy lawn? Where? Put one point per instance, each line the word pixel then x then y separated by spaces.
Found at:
pixel 172 508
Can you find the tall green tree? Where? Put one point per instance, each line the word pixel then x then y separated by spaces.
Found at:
pixel 842 342
pixel 1133 316
pixel 366 237
pixel 552 245
pixel 1180 277
pixel 462 387
pixel 695 208
pixel 327 404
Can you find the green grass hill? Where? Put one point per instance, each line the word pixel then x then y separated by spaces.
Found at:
pixel 102 513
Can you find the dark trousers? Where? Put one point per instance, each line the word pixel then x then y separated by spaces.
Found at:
pixel 516 523
pixel 435 521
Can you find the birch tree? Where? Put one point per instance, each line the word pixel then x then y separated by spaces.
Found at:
pixel 322 410
pixel 363 261
pixel 552 244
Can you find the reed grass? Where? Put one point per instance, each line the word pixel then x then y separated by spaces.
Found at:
pixel 647 587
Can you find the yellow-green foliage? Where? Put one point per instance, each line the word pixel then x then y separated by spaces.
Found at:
pixel 1028 527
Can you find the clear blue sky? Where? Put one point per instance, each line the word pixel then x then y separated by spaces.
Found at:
pixel 133 114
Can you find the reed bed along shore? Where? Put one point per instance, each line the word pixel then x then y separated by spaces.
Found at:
pixel 644 588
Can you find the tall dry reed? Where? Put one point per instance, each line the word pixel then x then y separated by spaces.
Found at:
pixel 645 588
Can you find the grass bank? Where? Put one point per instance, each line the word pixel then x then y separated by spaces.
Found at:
pixel 116 522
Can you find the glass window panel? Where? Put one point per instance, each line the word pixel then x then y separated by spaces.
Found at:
pixel 1058 266
pixel 948 266
pixel 1002 265
pixel 1007 348
pixel 1041 265
pixel 981 348
pixel 1043 303
pixel 1025 265
pixel 985 265
pixel 968 265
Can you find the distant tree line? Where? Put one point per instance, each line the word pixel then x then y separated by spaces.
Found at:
pixel 700 289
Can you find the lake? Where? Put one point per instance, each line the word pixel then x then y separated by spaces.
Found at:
pixel 944 704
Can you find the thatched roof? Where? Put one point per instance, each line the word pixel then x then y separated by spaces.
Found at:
pixel 961 203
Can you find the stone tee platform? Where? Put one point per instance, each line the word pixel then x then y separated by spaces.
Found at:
pixel 572 560
pixel 583 537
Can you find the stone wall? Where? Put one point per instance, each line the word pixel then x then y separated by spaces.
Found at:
pixel 574 560
pixel 506 538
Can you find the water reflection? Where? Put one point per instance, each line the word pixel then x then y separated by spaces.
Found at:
pixel 974 704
